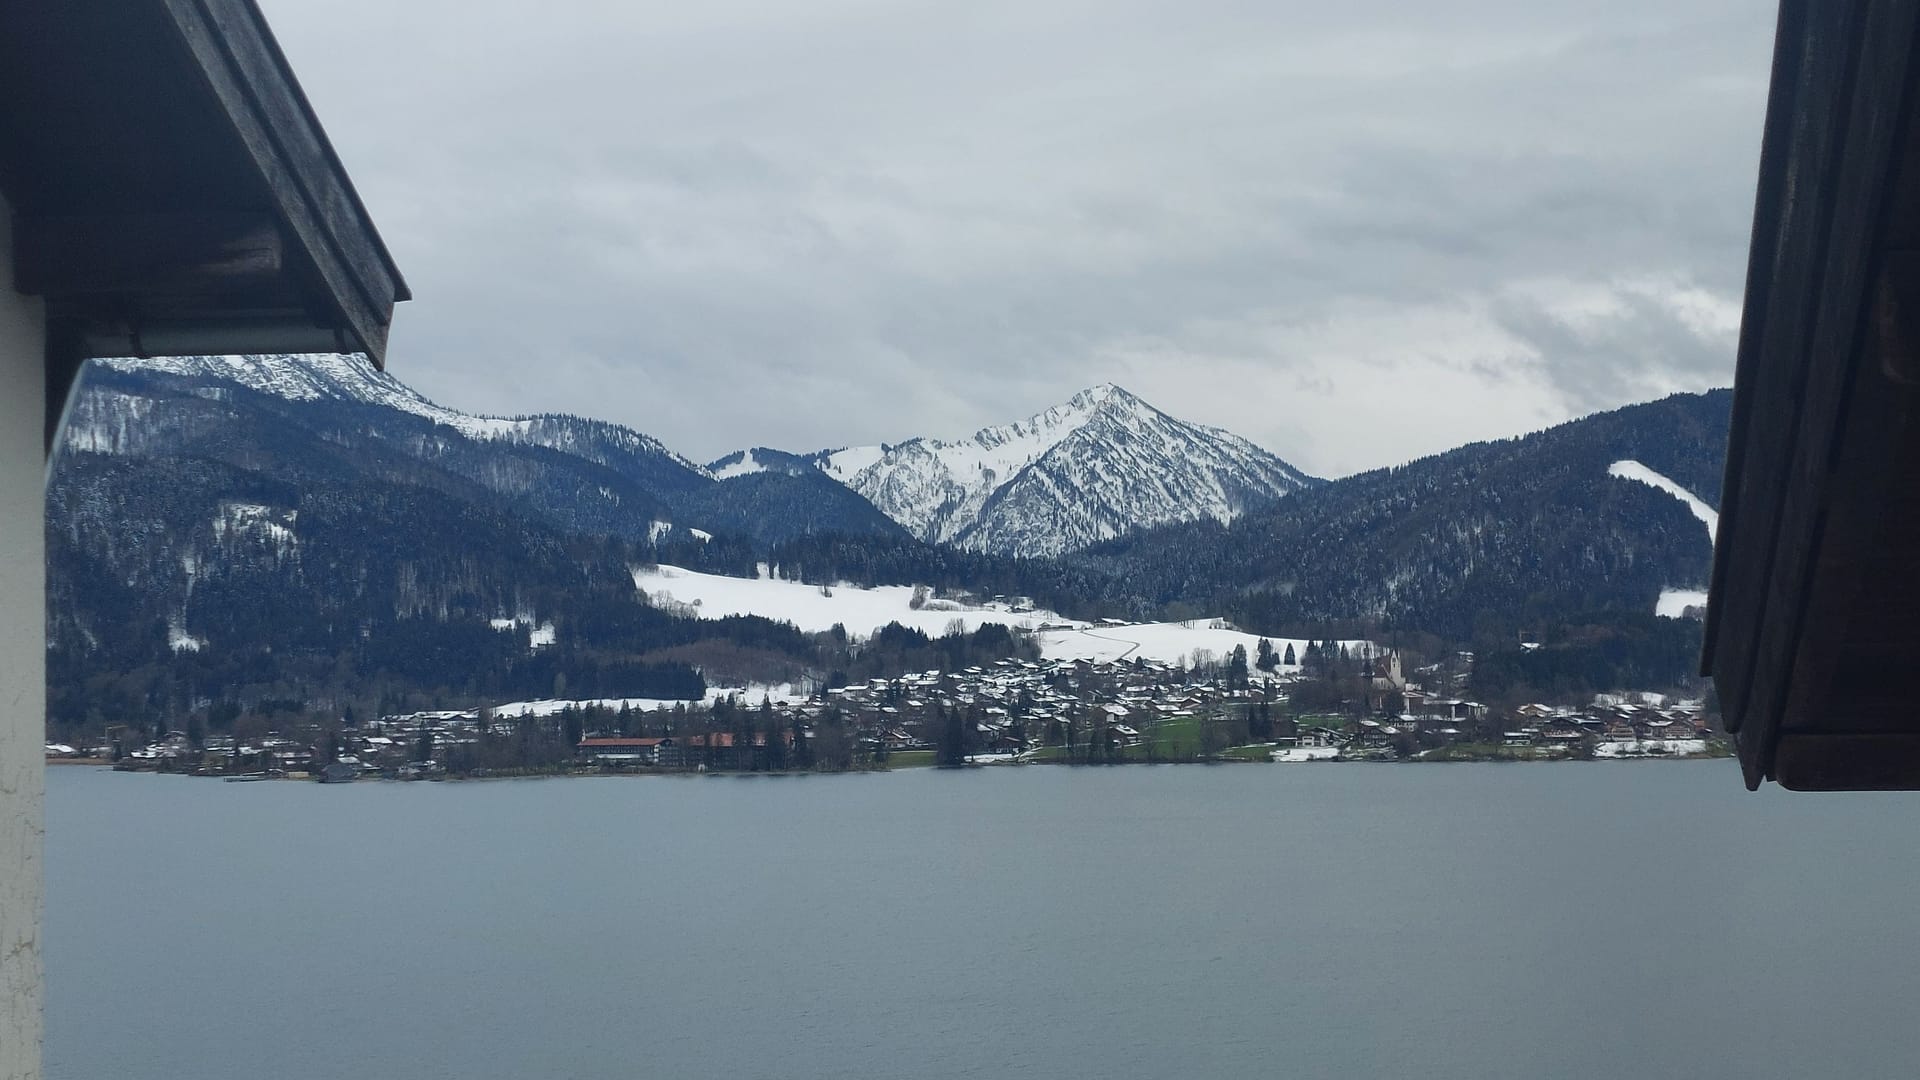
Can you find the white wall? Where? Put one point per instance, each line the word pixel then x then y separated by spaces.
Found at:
pixel 23 665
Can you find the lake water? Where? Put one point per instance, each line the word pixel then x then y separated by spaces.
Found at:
pixel 1598 920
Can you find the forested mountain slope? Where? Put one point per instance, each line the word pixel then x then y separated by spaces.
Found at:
pixel 216 536
pixel 1503 533
pixel 577 474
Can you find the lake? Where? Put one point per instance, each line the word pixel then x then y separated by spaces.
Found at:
pixel 1572 920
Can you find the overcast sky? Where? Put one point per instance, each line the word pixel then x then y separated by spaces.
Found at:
pixel 1355 232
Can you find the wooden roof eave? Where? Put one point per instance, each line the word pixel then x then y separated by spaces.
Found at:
pixel 315 201
pixel 1812 496
pixel 172 189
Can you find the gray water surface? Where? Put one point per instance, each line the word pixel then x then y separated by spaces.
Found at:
pixel 1601 920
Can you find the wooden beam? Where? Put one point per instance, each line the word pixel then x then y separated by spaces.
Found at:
pixel 221 336
pixel 136 255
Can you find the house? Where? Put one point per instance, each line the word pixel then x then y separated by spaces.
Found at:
pixel 613 750
pixel 1318 736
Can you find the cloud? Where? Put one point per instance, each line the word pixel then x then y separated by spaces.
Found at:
pixel 1352 232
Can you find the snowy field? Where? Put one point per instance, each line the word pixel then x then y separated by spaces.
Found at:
pixel 1673 603
pixel 785 693
pixel 813 609
pixel 862 611
pixel 1169 641
pixel 1305 753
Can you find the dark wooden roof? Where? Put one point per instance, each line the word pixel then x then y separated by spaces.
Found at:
pixel 173 191
pixel 1813 628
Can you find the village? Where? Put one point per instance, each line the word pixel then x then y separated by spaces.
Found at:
pixel 1010 712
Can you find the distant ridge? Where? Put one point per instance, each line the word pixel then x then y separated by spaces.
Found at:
pixel 1100 464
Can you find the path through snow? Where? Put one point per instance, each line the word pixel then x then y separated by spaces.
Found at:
pixel 1633 470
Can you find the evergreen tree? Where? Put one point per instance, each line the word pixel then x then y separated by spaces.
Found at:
pixel 1237 668
pixel 950 740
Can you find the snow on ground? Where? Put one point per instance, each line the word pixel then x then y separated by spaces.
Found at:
pixel 1169 641
pixel 814 608
pixel 274 524
pixel 1673 603
pixel 862 611
pixel 785 693
pixel 338 377
pixel 1617 748
pixel 915 482
pixel 844 465
pixel 746 466
pixel 538 637
pixel 1306 753
pixel 180 641
pixel 1633 470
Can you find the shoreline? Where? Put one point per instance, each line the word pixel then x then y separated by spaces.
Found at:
pixel 103 763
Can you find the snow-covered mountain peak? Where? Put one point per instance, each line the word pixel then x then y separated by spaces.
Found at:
pixel 352 378
pixel 1063 419
pixel 1100 463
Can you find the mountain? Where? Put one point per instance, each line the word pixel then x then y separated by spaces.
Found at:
pixel 351 380
pixel 571 473
pixel 244 528
pixel 1099 465
pixel 269 562
pixel 1490 539
pixel 1555 556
